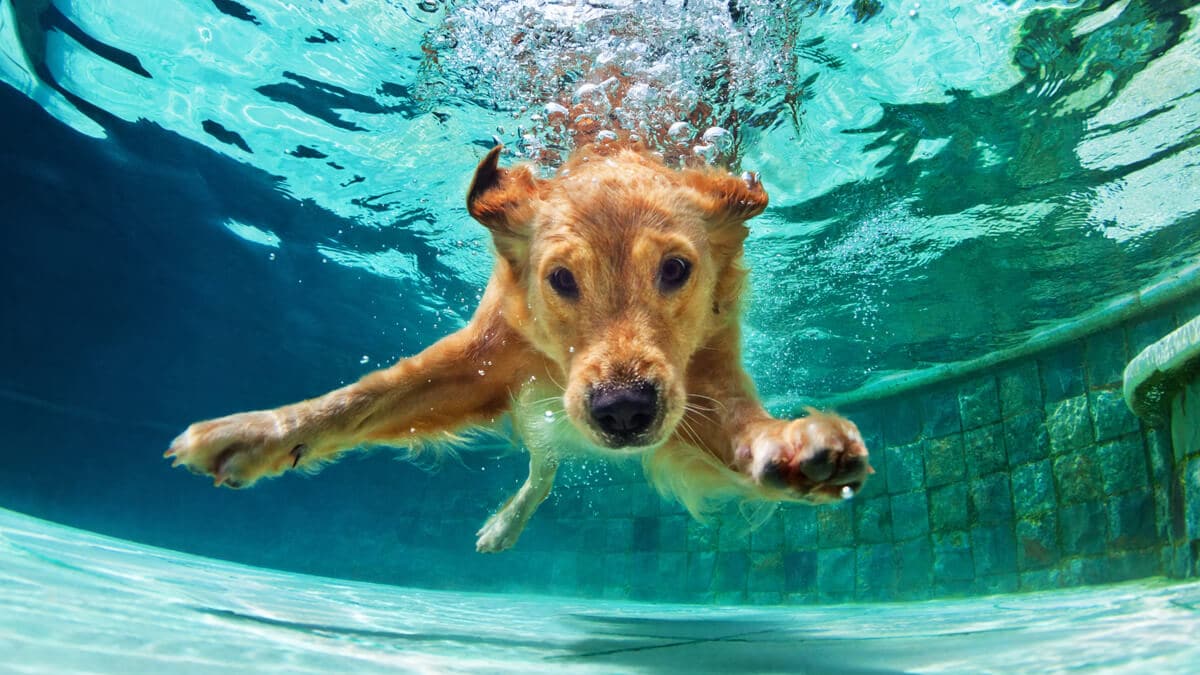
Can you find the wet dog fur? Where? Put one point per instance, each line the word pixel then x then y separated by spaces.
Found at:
pixel 610 325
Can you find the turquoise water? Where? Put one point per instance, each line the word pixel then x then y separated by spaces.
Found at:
pixel 220 205
pixel 187 614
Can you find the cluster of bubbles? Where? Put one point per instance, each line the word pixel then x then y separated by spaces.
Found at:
pixel 680 76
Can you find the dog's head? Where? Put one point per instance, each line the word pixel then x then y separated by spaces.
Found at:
pixel 620 270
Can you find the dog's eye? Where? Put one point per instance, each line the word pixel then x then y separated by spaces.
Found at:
pixel 563 282
pixel 673 273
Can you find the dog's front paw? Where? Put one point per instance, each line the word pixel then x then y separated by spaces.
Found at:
pixel 817 458
pixel 237 450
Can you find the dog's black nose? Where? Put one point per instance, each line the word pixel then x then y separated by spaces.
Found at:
pixel 625 412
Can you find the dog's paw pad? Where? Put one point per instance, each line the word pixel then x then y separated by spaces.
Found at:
pixel 819 458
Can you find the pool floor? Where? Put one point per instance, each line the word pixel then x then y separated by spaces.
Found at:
pixel 73 601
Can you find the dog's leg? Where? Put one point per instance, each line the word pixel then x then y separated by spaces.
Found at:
pixel 816 458
pixel 501 531
pixel 461 381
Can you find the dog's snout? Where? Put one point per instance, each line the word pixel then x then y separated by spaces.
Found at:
pixel 625 413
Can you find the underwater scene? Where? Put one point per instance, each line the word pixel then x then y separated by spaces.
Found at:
pixel 981 247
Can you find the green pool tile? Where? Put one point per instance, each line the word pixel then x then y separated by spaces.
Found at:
pixel 948 508
pixel 991 499
pixel 901 421
pixel 1077 475
pixel 836 523
pixel 983 449
pixel 618 535
pixel 910 515
pixel 1123 464
pixel 645 533
pixel 914 568
pixel 672 569
pixel 643 574
pixel 768 537
pixel 1032 488
pixel 726 598
pixel 800 528
pixel 1040 580
pixel 1069 424
pixel 700 569
pixel 944 461
pixel 764 598
pixel 1062 372
pixel 591 574
pixel 875 568
pixel 1134 565
pixel 994 550
pixel 872 520
pixel 1131 521
pixel 939 413
pixel 800 571
pixel 994 585
pixel 1106 358
pixel 1083 528
pixel 1191 498
pixel 617 574
pixel 1148 330
pixel 734 534
pixel 952 557
pixel 1025 437
pixel 702 536
pixel 731 571
pixel 766 573
pixel 1161 455
pixel 1037 541
pixel 979 402
pixel 877 483
pixel 906 467
pixel 1111 417
pixel 1020 388
pixel 673 533
pixel 835 571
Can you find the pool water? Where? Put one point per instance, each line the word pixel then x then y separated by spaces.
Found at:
pixel 980 213
pixel 75 601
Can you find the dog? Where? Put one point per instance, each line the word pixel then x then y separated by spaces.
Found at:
pixel 610 325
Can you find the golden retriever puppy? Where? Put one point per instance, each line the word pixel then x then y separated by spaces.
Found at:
pixel 610 325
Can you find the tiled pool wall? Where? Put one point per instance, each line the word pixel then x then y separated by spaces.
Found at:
pixel 1029 476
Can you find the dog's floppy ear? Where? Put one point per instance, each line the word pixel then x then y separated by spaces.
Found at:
pixel 727 199
pixel 504 201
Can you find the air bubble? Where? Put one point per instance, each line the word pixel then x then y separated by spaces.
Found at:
pixel 705 151
pixel 365 359
pixel 847 492
pixel 716 136
pixel 680 131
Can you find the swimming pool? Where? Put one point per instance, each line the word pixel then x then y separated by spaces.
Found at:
pixel 979 216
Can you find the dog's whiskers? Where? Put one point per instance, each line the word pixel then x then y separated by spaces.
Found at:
pixel 691 436
pixel 719 404
pixel 709 414
pixel 556 383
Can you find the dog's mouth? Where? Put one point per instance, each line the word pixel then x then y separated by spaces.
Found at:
pixel 626 415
